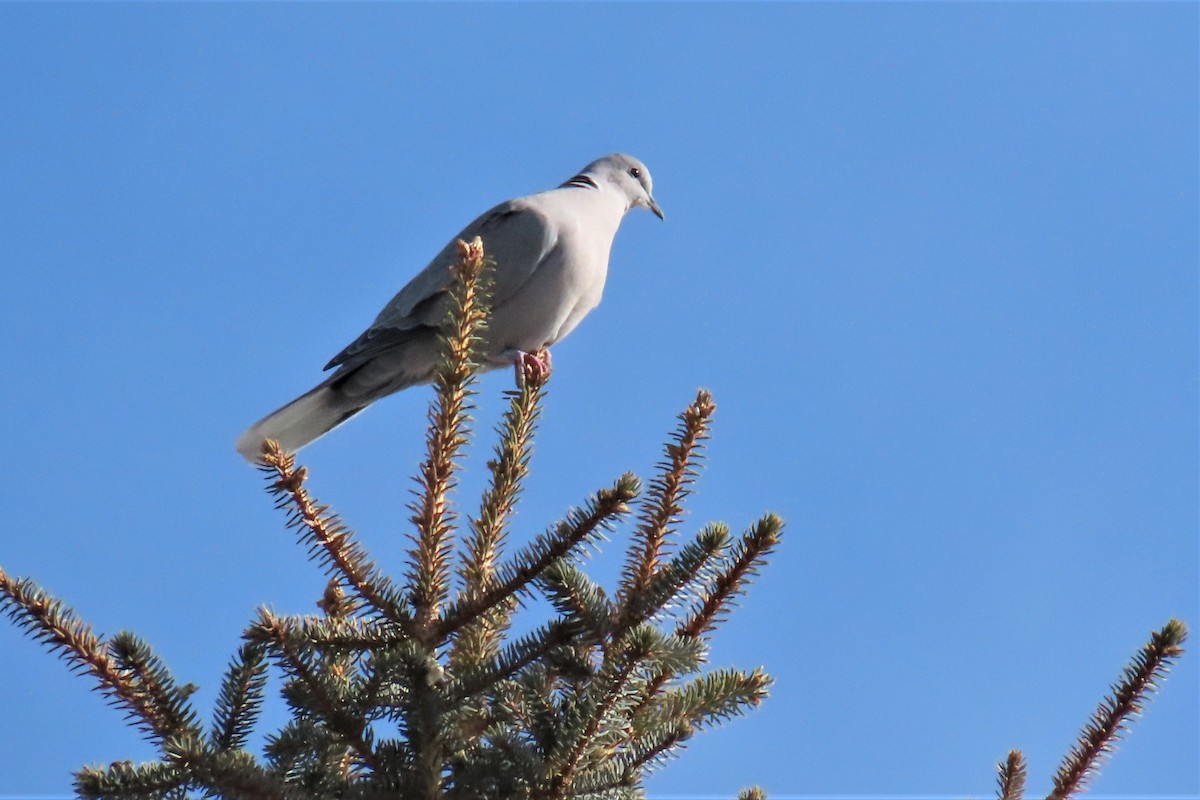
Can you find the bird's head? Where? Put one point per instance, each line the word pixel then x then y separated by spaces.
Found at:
pixel 629 177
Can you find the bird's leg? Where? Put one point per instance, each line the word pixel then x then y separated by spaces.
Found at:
pixel 529 366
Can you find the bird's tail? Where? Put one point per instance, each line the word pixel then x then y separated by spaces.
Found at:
pixel 305 419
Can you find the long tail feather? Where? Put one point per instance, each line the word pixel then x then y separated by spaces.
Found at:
pixel 305 419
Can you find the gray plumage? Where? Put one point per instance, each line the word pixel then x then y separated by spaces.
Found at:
pixel 551 251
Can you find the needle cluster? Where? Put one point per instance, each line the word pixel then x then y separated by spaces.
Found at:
pixel 1140 678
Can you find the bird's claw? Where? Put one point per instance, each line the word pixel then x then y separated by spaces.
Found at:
pixel 531 367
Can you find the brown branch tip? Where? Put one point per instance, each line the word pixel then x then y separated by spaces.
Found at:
pixel 1111 719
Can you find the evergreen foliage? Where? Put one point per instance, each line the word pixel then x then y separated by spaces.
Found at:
pixel 417 689
pixel 1109 721
pixel 412 689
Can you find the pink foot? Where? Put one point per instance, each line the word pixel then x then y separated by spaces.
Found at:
pixel 533 366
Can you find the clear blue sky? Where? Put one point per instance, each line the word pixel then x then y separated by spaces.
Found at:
pixel 937 262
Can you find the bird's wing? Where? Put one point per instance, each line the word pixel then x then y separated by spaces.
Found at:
pixel 517 235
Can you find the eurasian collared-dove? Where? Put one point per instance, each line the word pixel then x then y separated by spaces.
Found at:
pixel 551 252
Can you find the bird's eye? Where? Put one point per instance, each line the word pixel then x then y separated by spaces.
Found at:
pixel 635 172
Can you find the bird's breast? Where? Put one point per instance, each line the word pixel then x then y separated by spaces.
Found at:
pixel 559 293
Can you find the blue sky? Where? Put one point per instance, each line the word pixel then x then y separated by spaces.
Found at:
pixel 937 263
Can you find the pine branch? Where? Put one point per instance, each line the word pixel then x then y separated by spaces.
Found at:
pixel 125 781
pixel 380 685
pixel 447 433
pixel 1011 778
pixel 731 580
pixel 300 752
pixel 646 752
pixel 50 622
pixel 580 526
pixel 524 707
pixel 591 713
pixel 353 634
pixel 749 555
pixel 152 680
pixel 241 698
pixel 627 768
pixel 680 576
pixel 317 696
pixel 669 652
pixel 503 770
pixel 599 699
pixel 512 659
pixel 433 518
pixel 577 598
pixel 481 640
pixel 614 793
pixel 326 536
pixel 232 774
pixel 508 470
pixel 663 505
pixel 1111 719
pixel 713 698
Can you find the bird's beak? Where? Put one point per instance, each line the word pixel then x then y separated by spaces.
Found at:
pixel 654 207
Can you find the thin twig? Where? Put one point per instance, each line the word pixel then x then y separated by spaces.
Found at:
pixel 327 535
pixel 447 433
pixel 663 504
pixel 351 729
pixel 49 621
pixel 1101 733
pixel 1011 779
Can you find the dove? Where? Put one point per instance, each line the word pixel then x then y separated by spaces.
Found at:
pixel 551 253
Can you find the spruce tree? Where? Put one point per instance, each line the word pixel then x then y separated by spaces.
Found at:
pixel 416 688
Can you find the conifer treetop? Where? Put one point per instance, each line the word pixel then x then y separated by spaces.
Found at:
pixel 415 688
